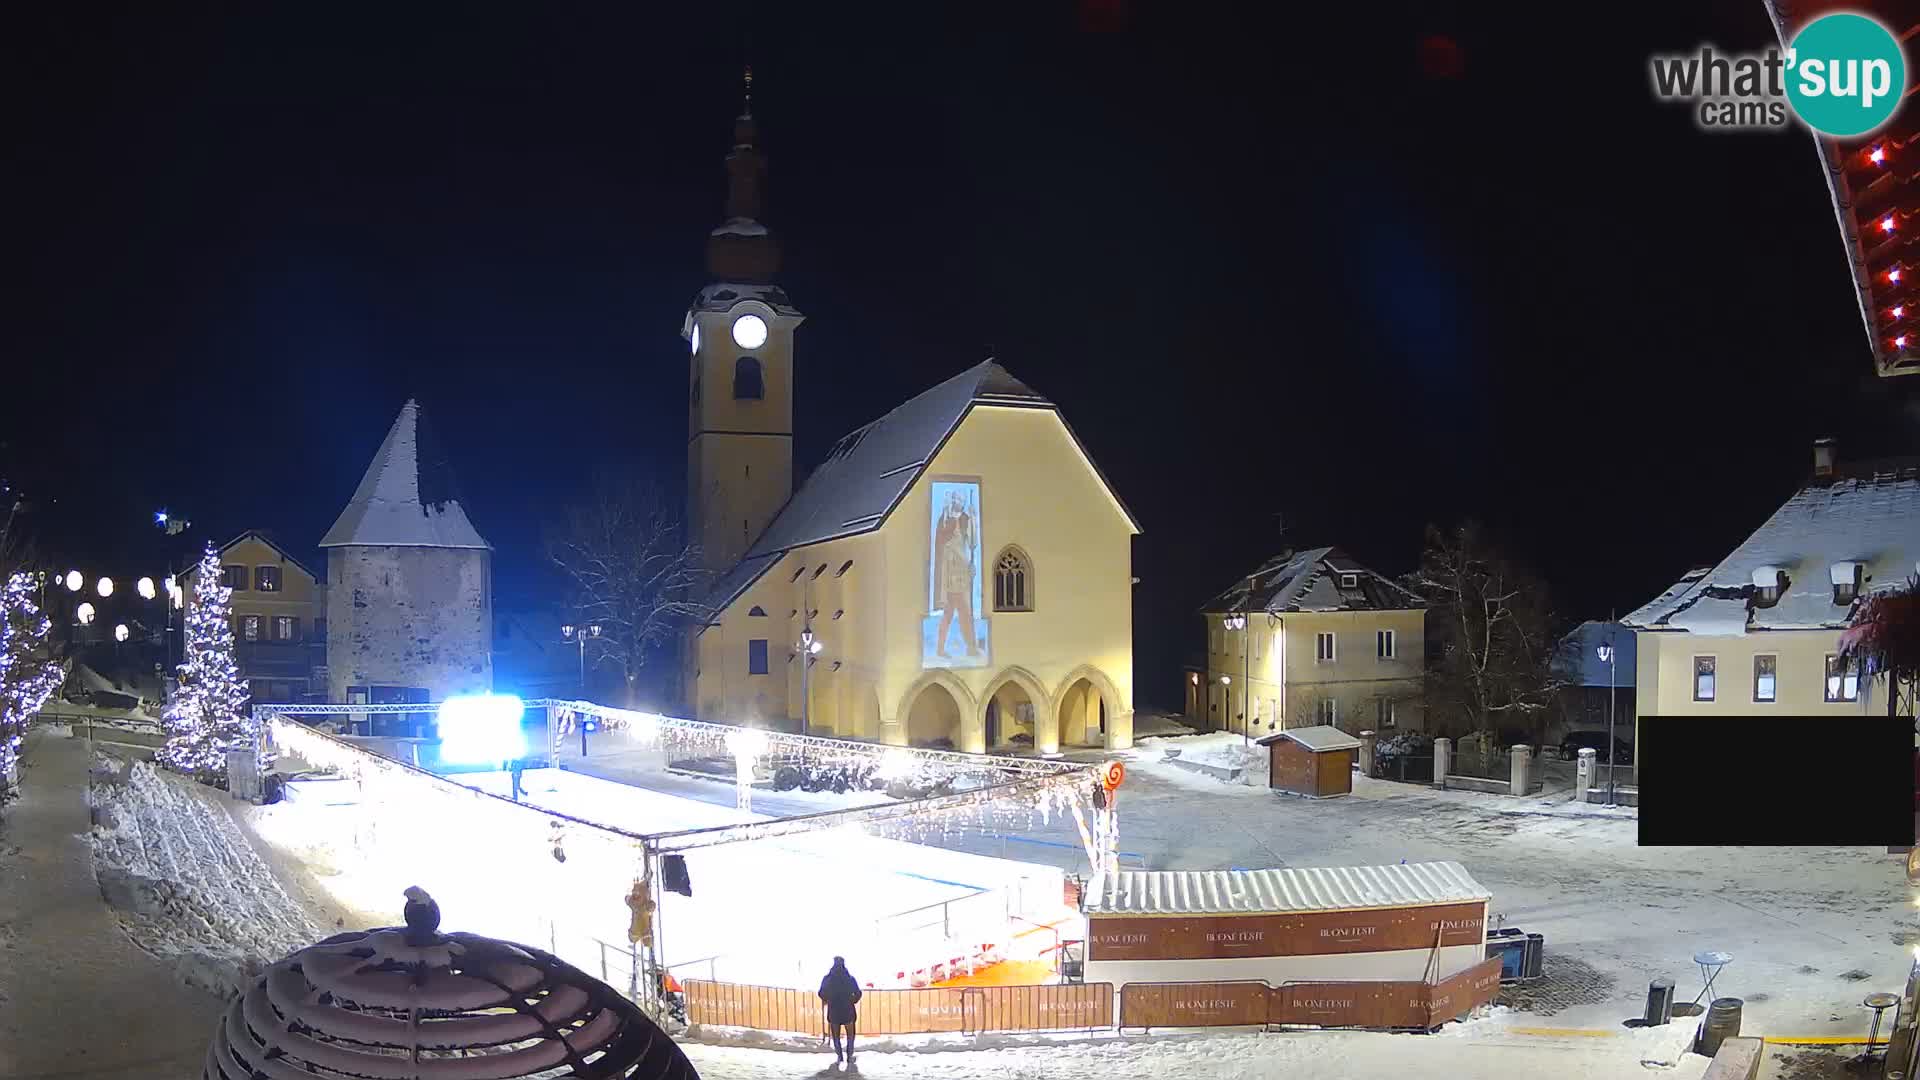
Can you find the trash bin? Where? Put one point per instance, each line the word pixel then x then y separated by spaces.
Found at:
pixel 1659 1002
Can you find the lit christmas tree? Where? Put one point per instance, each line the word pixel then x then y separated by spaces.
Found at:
pixel 207 714
pixel 28 672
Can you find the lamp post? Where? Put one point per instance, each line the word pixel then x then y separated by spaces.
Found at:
pixel 577 636
pixel 1607 658
pixel 810 647
pixel 1238 623
pixel 1226 700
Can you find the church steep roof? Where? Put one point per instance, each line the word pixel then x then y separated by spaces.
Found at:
pixel 407 498
pixel 870 470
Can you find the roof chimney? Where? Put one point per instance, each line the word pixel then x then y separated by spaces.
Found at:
pixel 1823 451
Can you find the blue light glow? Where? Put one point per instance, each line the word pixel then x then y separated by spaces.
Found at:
pixel 481 729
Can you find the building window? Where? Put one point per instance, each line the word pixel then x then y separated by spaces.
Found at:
pixel 1388 712
pixel 1012 581
pixel 821 569
pixel 1214 631
pixel 266 579
pixel 757 656
pixel 1323 647
pixel 1843 680
pixel 747 384
pixel 844 567
pixel 1383 644
pixel 1328 711
pixel 797 571
pixel 250 628
pixel 234 577
pixel 1349 581
pixel 319 629
pixel 283 628
pixel 756 612
pixel 1703 678
pixel 1765 685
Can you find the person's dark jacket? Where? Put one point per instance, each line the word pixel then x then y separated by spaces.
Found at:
pixel 840 993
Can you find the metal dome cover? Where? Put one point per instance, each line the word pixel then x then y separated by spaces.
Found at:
pixel 411 1003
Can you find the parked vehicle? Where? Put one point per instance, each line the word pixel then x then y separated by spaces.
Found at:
pixel 1596 741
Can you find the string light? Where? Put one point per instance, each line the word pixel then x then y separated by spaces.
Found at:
pixel 207 713
pixel 1899 310
pixel 1893 275
pixel 28 677
pixel 1878 155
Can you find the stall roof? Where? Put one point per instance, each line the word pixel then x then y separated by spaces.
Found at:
pixel 1316 738
pixel 1252 892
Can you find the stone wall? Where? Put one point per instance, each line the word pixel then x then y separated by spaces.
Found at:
pixel 409 616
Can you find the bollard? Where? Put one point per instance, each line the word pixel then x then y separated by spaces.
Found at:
pixel 1519 769
pixel 1659 1002
pixel 1584 772
pixel 1442 753
pixel 1366 753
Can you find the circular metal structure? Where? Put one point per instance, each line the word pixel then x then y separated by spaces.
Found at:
pixel 411 1003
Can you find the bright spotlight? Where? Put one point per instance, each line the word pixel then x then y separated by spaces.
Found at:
pixel 75 582
pixel 481 729
pixel 145 588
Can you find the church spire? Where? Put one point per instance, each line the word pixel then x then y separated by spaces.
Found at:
pixel 742 249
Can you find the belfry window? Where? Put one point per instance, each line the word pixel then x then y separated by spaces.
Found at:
pixel 747 383
pixel 1012 581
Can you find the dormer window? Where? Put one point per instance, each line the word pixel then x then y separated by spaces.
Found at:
pixel 1768 583
pixel 1847 577
pixel 1349 581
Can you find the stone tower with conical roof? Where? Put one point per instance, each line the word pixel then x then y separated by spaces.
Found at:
pixel 410 582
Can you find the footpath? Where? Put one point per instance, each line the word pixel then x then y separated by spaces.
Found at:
pixel 77 1000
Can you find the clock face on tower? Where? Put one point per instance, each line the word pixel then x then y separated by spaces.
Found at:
pixel 749 331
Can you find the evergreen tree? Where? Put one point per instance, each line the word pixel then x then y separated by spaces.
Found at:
pixel 207 713
pixel 29 674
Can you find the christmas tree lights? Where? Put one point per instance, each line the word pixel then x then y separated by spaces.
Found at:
pixel 28 672
pixel 207 713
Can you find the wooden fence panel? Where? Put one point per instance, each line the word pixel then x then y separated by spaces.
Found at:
pixel 1351 1004
pixel 1039 1008
pixel 1198 1004
pixel 766 1008
pixel 911 1012
pixel 1459 994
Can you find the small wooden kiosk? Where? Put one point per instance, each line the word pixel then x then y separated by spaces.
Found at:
pixel 1313 761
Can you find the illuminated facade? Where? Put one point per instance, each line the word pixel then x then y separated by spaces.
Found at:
pixel 1309 638
pixel 279 610
pixel 1875 184
pixel 956 573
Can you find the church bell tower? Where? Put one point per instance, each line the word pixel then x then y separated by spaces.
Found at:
pixel 740 384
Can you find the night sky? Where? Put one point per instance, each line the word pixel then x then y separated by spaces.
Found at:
pixel 1365 269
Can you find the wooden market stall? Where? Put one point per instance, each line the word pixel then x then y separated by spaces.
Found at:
pixel 1374 946
pixel 1313 761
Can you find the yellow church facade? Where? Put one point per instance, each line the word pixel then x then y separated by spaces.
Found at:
pixel 1007 505
pixel 957 573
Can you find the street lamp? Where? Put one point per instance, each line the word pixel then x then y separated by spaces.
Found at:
pixel 84 613
pixel 120 632
pixel 1607 658
pixel 105 587
pixel 577 636
pixel 74 581
pixel 810 647
pixel 145 588
pixel 1238 623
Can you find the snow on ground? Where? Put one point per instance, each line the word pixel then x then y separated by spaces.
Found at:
pixel 1481 1051
pixel 184 880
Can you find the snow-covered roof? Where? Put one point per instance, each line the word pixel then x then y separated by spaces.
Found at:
pixel 721 296
pixel 268 540
pixel 1231 892
pixel 870 470
pixel 1578 659
pixel 1317 738
pixel 407 498
pixel 1313 580
pixel 740 226
pixel 1867 514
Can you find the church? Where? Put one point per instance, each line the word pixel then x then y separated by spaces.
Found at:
pixel 957 573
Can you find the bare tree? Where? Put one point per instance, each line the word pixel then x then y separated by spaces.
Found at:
pixel 1492 628
pixel 630 570
pixel 1884 639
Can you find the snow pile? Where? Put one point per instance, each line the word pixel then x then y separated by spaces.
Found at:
pixel 185 882
pixel 1218 756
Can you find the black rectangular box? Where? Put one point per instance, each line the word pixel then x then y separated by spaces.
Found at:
pixel 1771 780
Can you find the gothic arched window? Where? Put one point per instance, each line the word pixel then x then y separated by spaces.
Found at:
pixel 1012 581
pixel 747 383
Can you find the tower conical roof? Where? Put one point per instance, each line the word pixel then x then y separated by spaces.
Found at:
pixel 407 498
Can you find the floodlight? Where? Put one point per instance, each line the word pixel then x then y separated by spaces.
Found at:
pixel 481 729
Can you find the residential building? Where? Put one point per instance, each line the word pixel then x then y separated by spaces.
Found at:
pixel 410 601
pixel 956 573
pixel 1596 661
pixel 1310 638
pixel 1759 631
pixel 279 618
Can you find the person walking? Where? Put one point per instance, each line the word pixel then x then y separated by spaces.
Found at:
pixel 516 768
pixel 839 992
